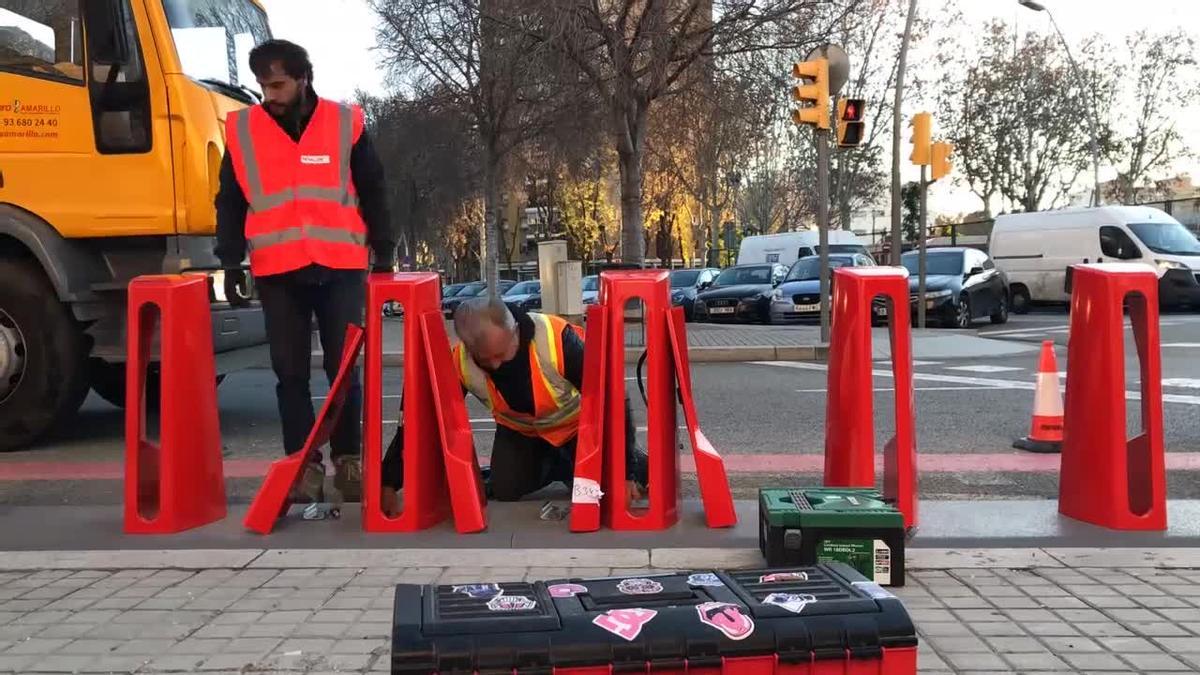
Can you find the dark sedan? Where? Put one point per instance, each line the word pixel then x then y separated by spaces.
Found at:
pixel 687 284
pixel 471 290
pixel 961 286
pixel 527 295
pixel 799 296
pixel 741 293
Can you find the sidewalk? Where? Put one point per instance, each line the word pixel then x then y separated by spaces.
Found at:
pixel 975 612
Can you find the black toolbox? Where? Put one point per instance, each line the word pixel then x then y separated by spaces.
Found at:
pixel 800 620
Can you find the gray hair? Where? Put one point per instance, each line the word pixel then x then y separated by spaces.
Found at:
pixel 473 315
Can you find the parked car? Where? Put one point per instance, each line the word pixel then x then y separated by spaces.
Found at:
pixel 472 290
pixel 527 295
pixel 1034 250
pixel 453 290
pixel 740 293
pixel 591 289
pixel 961 285
pixel 799 296
pixel 686 284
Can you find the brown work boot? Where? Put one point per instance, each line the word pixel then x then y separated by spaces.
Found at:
pixel 311 486
pixel 347 477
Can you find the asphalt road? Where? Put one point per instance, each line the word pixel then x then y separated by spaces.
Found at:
pixel 761 415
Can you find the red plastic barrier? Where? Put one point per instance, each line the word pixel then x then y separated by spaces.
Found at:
pixel 177 483
pixel 467 497
pixel 425 496
pixel 272 500
pixel 849 418
pixel 652 287
pixel 1107 480
pixel 589 446
pixel 710 469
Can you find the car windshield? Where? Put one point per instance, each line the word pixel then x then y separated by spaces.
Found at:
pixel 525 288
pixel 471 290
pixel 736 276
pixel 1168 238
pixel 214 39
pixel 684 278
pixel 808 268
pixel 949 263
pixel 591 283
pixel 452 290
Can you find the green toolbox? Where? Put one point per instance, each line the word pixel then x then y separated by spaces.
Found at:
pixel 806 526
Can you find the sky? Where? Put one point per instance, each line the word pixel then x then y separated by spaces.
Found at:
pixel 339 35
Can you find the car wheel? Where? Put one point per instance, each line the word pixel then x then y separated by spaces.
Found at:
pixel 1020 300
pixel 962 314
pixel 1001 315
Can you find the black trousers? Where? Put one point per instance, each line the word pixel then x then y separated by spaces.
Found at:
pixel 290 301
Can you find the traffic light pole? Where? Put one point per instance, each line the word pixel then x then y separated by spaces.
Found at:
pixel 921 256
pixel 821 138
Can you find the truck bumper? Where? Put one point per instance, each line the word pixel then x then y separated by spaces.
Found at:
pixel 1179 287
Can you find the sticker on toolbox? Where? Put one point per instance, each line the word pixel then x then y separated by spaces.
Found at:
pixel 639 587
pixel 510 603
pixel 872 589
pixel 779 577
pixel 566 590
pixel 625 623
pixel 792 602
pixel 478 591
pixel 704 579
pixel 728 618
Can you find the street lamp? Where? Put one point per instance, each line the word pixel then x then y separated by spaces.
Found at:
pixel 1093 122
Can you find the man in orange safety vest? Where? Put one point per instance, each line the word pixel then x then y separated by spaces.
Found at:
pixel 527 369
pixel 302 190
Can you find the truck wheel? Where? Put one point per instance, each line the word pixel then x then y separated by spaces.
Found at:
pixel 43 356
pixel 108 380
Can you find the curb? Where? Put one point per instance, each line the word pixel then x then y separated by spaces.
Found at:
pixel 737 354
pixel 652 558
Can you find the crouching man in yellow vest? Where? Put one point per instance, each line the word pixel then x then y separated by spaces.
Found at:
pixel 527 368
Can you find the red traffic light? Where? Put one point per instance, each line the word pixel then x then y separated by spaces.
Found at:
pixel 851 109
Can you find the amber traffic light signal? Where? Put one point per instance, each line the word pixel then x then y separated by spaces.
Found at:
pixel 922 137
pixel 940 159
pixel 812 94
pixel 850 125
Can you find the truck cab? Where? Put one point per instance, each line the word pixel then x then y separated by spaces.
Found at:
pixel 111 138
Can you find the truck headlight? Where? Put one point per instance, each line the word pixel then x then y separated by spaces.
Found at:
pixel 934 295
pixel 1164 265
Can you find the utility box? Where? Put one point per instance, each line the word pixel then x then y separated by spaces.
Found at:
pixel 804 526
pixel 570 289
pixel 550 253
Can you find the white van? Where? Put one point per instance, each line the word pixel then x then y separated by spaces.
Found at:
pixel 1035 250
pixel 788 247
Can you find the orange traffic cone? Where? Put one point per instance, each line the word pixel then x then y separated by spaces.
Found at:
pixel 1046 432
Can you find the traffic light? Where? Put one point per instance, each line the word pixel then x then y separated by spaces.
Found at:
pixel 850 125
pixel 922 136
pixel 813 94
pixel 940 163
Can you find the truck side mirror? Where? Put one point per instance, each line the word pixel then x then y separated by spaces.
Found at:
pixel 109 41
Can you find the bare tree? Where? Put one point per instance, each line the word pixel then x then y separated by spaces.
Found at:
pixel 1165 84
pixel 494 75
pixel 635 52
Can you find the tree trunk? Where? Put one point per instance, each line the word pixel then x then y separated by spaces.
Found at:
pixel 491 220
pixel 631 136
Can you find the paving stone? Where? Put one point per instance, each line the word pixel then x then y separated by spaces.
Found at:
pixel 144 646
pixel 1035 661
pixel 1104 629
pixel 1181 614
pixel 1080 615
pixel 1093 661
pixel 1124 645
pixel 358 646
pixel 1159 629
pixel 16 663
pixel 60 664
pixel 1134 615
pixel 1033 615
pixel 91 647
pixel 65 630
pixel 36 646
pixel 1061 645
pixel 972 661
pixel 943 629
pixel 184 663
pixel 195 645
pixel 947 645
pixel 1157 661
pixel 997 628
pixel 320 630
pixel 248 645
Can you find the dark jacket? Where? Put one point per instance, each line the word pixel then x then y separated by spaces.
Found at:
pixel 513 380
pixel 365 170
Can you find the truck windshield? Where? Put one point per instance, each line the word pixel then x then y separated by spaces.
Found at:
pixel 1167 238
pixel 807 269
pixel 214 39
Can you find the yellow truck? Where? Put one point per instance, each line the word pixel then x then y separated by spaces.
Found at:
pixel 111 137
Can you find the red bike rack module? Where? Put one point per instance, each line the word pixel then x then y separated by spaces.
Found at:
pixel 1106 479
pixel 272 500
pixel 426 493
pixel 589 447
pixel 177 483
pixel 663 360
pixel 849 418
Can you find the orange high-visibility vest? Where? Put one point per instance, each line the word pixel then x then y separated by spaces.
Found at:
pixel 555 417
pixel 303 208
